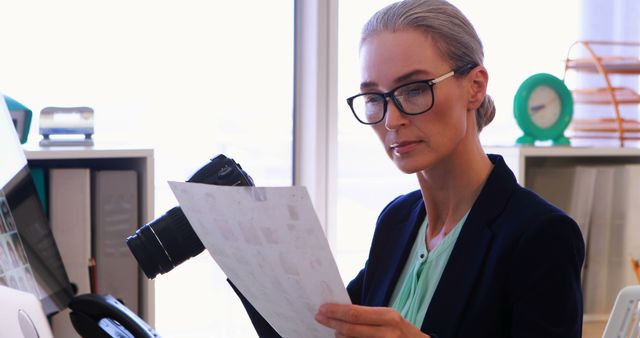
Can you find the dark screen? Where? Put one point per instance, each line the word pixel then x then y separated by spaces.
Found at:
pixel 29 257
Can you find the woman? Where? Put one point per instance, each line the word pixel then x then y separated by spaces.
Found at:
pixel 471 253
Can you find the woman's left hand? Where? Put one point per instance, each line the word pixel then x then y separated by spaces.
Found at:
pixel 365 321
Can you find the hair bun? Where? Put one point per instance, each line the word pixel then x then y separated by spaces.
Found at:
pixel 485 113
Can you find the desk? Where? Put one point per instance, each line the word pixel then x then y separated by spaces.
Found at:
pixel 593 329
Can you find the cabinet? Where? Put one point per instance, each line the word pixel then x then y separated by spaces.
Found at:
pixel 534 164
pixel 607 93
pixel 105 158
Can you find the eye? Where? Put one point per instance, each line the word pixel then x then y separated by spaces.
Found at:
pixel 373 99
pixel 413 90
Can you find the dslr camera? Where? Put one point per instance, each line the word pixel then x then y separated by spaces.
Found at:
pixel 169 240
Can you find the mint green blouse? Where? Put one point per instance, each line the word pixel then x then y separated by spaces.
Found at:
pixel 421 274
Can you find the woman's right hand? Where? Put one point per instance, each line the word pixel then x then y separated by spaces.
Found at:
pixel 365 321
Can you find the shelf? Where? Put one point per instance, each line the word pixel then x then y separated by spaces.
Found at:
pixel 517 158
pixel 35 152
pixel 609 94
pixel 605 129
pixel 110 158
pixel 605 125
pixel 612 65
pixel 623 95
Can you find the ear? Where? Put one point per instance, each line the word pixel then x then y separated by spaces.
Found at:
pixel 477 80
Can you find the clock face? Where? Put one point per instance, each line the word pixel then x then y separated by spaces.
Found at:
pixel 544 106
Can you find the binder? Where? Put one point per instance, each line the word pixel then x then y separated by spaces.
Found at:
pixel 70 218
pixel 582 198
pixel 40 183
pixel 595 283
pixel 115 216
pixel 631 243
pixel 617 256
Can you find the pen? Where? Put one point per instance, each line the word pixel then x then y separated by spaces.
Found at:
pixel 93 286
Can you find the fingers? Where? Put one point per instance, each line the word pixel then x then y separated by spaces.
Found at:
pixel 351 330
pixel 361 321
pixel 357 314
pixel 351 321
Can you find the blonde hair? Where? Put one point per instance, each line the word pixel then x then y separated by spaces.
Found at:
pixel 453 34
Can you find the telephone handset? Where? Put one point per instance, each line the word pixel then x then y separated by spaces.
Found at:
pixel 103 316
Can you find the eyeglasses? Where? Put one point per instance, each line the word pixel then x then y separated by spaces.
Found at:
pixel 412 98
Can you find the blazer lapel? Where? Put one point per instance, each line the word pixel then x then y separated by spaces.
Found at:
pixel 391 259
pixel 467 258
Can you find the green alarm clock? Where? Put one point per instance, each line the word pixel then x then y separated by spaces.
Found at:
pixel 543 107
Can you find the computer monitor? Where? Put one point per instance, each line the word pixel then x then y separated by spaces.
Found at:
pixel 29 257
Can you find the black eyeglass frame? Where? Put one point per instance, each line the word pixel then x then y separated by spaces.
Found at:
pixel 391 94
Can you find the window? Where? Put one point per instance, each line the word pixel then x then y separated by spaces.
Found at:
pixel 190 79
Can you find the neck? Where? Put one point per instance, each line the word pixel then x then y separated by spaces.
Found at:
pixel 450 188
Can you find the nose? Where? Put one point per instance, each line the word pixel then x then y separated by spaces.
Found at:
pixel 394 118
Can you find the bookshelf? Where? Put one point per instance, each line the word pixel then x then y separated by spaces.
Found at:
pixel 521 158
pixel 544 163
pixel 141 160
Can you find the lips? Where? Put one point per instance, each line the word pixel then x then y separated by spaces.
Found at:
pixel 404 147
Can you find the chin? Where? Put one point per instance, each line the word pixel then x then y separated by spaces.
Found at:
pixel 410 165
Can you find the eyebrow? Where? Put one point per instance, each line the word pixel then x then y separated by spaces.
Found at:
pixel 369 85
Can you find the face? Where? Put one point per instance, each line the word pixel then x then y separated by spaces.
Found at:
pixel 419 142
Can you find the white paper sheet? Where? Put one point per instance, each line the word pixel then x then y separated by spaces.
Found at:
pixel 270 244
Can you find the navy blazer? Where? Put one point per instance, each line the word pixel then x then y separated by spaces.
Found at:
pixel 514 270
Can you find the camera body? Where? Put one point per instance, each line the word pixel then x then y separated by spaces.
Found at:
pixel 169 240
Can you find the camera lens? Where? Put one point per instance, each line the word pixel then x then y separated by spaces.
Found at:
pixel 164 243
pixel 170 240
